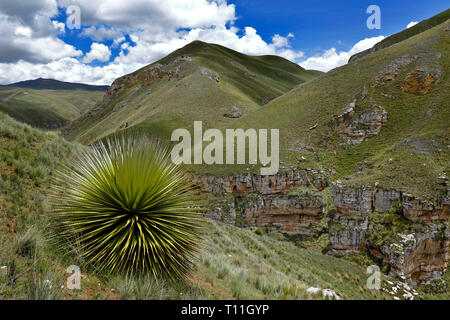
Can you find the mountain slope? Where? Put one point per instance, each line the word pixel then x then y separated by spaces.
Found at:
pixel 52 84
pixel 233 263
pixel 405 34
pixel 383 118
pixel 44 107
pixel 200 81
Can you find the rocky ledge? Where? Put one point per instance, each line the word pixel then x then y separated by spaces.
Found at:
pixel 407 235
pixel 276 203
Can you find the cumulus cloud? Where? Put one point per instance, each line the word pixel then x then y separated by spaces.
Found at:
pixel 28 33
pixel 65 69
pixel 411 24
pixel 155 28
pixel 154 14
pixel 142 31
pixel 331 59
pixel 151 47
pixel 20 41
pixel 28 11
pixel 99 52
pixel 101 33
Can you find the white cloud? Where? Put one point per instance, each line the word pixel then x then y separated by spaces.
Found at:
pixel 26 11
pixel 150 47
pixel 101 33
pixel 118 41
pixel 28 33
pixel 20 41
pixel 411 24
pixel 99 52
pixel 32 49
pixel 155 28
pixel 61 27
pixel 66 69
pixel 331 59
pixel 154 14
pixel 280 42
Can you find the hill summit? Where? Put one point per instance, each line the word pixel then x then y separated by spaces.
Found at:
pixel 52 84
pixel 199 81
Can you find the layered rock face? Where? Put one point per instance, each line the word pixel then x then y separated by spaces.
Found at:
pixel 417 246
pixel 355 130
pixel 419 251
pixel 419 255
pixel 145 77
pixel 271 202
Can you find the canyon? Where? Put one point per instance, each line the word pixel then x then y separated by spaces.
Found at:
pixel 408 235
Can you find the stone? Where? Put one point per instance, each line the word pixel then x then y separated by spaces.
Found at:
pixel 265 201
pixel 354 201
pixel 420 254
pixel 421 80
pixel 386 199
pixel 236 112
pixel 418 210
pixel 366 125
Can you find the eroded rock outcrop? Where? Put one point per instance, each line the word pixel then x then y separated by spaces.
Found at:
pixel 272 202
pixel 419 255
pixel 242 184
pixel 355 129
pixel 393 69
pixel 409 234
pixel 144 77
pixel 421 80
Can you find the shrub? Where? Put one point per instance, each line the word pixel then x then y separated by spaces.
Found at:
pixel 42 290
pixel 26 243
pixel 128 208
pixel 258 231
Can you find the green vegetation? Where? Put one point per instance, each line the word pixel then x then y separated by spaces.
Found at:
pixel 167 104
pixel 391 157
pixel 35 267
pixel 127 208
pixel 46 108
pixel 247 265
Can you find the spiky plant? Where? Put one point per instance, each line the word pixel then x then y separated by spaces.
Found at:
pixel 128 208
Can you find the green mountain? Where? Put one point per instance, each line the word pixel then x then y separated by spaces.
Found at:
pixel 364 172
pixel 382 118
pixel 364 157
pixel 52 84
pixel 199 81
pixel 396 95
pixel 47 108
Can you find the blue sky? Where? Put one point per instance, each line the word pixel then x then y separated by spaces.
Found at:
pixel 319 25
pixel 117 37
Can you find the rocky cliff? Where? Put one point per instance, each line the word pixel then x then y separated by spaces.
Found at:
pixel 287 202
pixel 408 234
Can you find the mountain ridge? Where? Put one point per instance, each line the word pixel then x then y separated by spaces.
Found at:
pixel 199 81
pixel 52 84
pixel 405 34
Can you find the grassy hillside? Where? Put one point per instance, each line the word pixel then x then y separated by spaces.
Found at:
pixel 46 108
pixel 410 151
pixel 200 81
pixel 407 82
pixel 232 263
